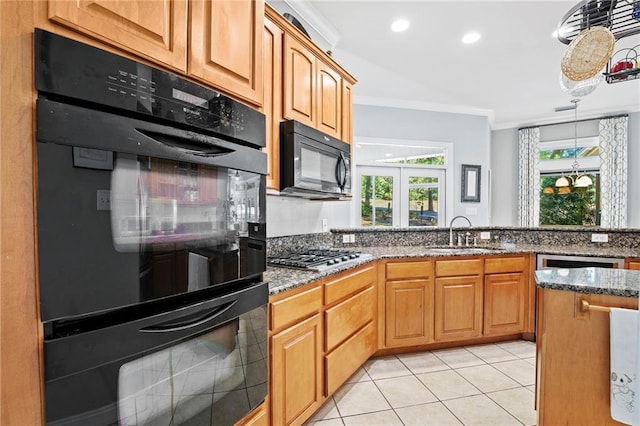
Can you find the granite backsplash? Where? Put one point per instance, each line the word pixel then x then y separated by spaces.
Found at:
pixel 500 236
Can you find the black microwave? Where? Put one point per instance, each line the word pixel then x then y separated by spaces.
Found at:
pixel 313 164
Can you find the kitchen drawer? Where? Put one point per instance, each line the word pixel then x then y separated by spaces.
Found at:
pixel 286 311
pixel 348 357
pixel 406 270
pixel 497 265
pixel 345 318
pixel 458 267
pixel 349 283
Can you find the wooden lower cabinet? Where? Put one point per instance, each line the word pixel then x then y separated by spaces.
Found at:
pixel 258 417
pixel 458 308
pixel 297 372
pixel 504 303
pixel 573 382
pixel 633 264
pixel 342 362
pixel 409 312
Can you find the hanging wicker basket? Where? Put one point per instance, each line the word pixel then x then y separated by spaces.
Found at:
pixel 588 53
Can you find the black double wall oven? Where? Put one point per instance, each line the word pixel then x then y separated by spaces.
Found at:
pixel 151 243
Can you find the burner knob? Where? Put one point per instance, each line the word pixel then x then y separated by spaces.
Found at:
pixel 353 255
pixel 331 262
pixel 345 257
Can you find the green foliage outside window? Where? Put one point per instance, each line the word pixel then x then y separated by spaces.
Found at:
pixel 579 207
pixel 377 191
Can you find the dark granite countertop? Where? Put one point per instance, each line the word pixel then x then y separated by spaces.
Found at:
pixel 610 282
pixel 283 279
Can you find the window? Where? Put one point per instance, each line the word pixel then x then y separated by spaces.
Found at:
pixel 401 183
pixel 569 205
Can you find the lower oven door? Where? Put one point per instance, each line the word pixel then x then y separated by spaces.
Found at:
pixel 202 364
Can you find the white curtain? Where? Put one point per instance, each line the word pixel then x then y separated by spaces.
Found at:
pixel 613 172
pixel 529 182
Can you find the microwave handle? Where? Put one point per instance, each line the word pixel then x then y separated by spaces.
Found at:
pixel 341 172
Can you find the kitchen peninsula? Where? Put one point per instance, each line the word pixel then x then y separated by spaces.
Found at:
pixel 573 370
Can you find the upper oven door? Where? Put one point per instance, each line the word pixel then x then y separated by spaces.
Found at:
pixel 131 211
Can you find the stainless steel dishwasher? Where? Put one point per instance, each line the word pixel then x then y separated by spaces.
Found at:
pixel 556 261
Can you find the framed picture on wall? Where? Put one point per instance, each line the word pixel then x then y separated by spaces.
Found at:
pixel 470 183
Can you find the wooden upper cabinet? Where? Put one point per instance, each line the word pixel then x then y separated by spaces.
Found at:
pixel 153 29
pixel 329 100
pixel 272 106
pixel 225 47
pixel 299 85
pixel 347 112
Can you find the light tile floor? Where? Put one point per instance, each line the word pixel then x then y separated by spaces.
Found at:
pixel 488 384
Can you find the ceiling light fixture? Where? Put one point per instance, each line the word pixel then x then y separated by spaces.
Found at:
pixel 399 25
pixel 575 179
pixel 470 38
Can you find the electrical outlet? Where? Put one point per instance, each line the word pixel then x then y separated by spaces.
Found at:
pixel 599 238
pixel 325 225
pixel 485 235
pixel 348 238
pixel 104 199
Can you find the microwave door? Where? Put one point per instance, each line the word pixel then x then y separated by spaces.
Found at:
pixel 317 168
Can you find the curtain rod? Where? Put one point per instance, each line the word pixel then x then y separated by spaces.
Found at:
pixel 574 121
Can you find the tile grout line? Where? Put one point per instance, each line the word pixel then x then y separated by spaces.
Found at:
pixel 438 400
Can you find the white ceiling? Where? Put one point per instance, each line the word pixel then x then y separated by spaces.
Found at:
pixel 511 75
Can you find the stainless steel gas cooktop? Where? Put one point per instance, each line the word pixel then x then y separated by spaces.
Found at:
pixel 317 260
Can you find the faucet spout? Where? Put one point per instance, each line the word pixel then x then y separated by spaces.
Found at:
pixel 451 227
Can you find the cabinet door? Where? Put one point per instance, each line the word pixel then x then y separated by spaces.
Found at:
pixel 409 312
pixel 226 46
pixel 296 372
pixel 504 303
pixel 153 29
pixel 272 106
pixel 347 112
pixel 299 83
pixel 329 100
pixel 634 264
pixel 458 308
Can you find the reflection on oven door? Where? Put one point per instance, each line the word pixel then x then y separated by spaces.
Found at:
pixel 213 379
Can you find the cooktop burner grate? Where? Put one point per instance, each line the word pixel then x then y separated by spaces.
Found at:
pixel 317 259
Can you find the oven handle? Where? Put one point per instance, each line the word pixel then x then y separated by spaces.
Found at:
pixel 173 325
pixel 205 149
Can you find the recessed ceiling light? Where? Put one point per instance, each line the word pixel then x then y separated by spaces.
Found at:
pixel 471 38
pixel 388 155
pixel 399 25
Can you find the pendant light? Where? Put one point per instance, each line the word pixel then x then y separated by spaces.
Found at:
pixel 575 179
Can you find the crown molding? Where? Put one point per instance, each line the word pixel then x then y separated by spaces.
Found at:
pixel 555 118
pixel 423 106
pixel 315 20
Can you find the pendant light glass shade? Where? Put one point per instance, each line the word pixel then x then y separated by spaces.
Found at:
pixel 583 182
pixel 575 179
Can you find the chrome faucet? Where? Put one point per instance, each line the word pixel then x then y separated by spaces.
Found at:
pixel 451 227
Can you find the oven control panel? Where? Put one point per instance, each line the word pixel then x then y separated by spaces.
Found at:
pixel 76 71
